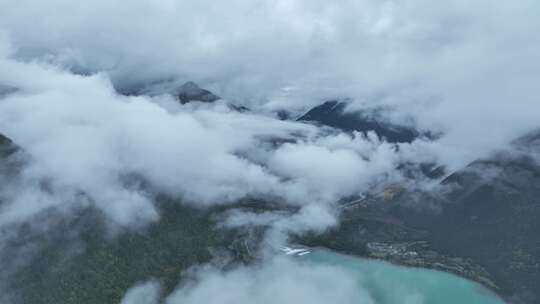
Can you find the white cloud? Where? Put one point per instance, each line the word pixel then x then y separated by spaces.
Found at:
pixel 470 69
pixel 331 171
pixel 82 137
pixel 278 281
pixel 147 293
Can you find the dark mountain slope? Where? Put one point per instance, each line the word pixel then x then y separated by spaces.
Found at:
pixel 184 92
pixel 86 267
pixel 334 114
pixel 6 90
pixel 492 220
pixel 483 223
pixel 8 163
pixel 7 147
pixel 190 91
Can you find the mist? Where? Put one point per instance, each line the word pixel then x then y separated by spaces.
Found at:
pixel 280 280
pixel 83 137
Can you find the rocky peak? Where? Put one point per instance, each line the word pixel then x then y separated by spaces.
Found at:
pixel 332 113
pixel 190 91
pixel 7 147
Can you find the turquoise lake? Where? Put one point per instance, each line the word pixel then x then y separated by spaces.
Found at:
pixel 391 284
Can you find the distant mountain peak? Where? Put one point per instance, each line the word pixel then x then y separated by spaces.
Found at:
pixel 183 91
pixel 7 147
pixel 328 107
pixel 332 113
pixel 190 91
pixel 6 90
pixel 190 87
pixel 4 140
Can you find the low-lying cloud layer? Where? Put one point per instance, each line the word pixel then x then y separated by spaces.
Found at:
pixel 281 280
pixel 466 68
pixel 84 138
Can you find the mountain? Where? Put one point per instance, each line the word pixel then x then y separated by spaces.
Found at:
pixel 7 147
pixel 90 268
pixel 184 92
pixel 6 90
pixel 480 223
pixel 86 265
pixel 190 91
pixel 334 114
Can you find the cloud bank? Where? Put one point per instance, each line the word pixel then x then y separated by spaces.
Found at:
pixel 83 138
pixel 278 281
pixel 442 63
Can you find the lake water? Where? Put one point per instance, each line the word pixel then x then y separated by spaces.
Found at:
pixel 390 284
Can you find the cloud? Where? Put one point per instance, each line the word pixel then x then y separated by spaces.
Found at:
pixel 468 69
pixel 147 293
pixel 334 167
pixel 93 146
pixel 277 281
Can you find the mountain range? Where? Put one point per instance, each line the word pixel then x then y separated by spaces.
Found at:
pixel 480 222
